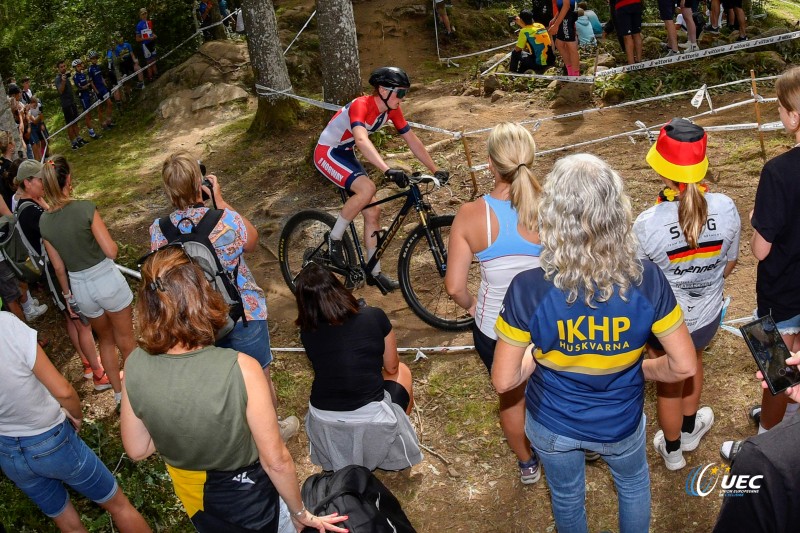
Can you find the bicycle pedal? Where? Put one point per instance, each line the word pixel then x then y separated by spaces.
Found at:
pixel 383 282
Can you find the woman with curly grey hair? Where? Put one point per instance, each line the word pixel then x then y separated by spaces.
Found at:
pixel 589 310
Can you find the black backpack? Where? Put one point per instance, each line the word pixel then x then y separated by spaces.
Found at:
pixel 354 491
pixel 197 245
pixel 26 264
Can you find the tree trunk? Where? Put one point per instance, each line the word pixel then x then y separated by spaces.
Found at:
pixel 275 112
pixel 341 75
pixel 7 118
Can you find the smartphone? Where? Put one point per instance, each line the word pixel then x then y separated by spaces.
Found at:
pixel 770 353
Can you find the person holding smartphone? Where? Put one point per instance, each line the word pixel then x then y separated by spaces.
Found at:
pixel 693 236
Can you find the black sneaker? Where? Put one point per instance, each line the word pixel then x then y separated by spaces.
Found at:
pixel 81 142
pixel 711 29
pixel 336 252
pixel 385 282
pixel 75 145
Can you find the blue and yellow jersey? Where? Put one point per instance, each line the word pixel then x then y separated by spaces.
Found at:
pixel 535 40
pixel 588 383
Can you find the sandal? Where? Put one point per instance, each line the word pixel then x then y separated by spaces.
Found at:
pixel 729 449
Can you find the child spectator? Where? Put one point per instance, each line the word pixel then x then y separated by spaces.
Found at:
pixel 534 48
pixel 35 121
pixel 100 90
pixel 597 27
pixel 628 17
pixel 585 31
pixel 146 36
pixel 84 85
pixel 68 107
pixel 128 63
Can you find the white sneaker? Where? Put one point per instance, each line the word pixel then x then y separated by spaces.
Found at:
pixel 289 427
pixel 703 422
pixel 35 311
pixel 693 48
pixel 673 460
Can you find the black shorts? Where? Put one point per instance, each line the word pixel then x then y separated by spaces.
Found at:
pixel 730 4
pixel 70 113
pixel 629 19
pixel 566 30
pixel 126 66
pixel 398 393
pixel 666 9
pixel 484 345
pixel 700 337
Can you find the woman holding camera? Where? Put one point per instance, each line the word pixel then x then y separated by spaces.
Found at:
pixel 232 237
pixel 207 410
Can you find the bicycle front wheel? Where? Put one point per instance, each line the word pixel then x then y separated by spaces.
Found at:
pixel 422 281
pixel 304 240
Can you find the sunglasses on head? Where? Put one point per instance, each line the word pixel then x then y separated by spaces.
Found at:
pixel 400 93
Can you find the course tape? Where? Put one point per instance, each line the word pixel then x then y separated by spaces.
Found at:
pixel 446 59
pixel 494 65
pixel 572 79
pixel 301 31
pixel 429 349
pixel 708 52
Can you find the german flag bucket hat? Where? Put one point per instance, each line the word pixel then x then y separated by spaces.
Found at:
pixel 679 154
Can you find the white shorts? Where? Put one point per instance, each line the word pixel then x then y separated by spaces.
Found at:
pixel 100 288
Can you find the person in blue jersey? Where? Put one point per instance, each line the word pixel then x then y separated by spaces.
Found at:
pixel 500 229
pixel 83 84
pixel 147 37
pixel 101 91
pixel 589 310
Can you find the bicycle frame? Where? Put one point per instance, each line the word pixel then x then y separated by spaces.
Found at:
pixel 413 199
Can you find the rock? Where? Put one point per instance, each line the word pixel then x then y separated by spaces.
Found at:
pixel 613 95
pixel 652 48
pixel 491 61
pixel 571 93
pixel 490 85
pixel 770 61
pixel 606 60
pixel 497 95
pixel 414 10
pixel 174 106
pixel 472 91
pixel 219 94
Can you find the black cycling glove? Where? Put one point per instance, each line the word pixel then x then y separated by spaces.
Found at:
pixel 397 176
pixel 442 175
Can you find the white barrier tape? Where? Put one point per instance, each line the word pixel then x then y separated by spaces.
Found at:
pixel 494 65
pixel 572 79
pixel 445 59
pixel 731 329
pixel 268 91
pixel 301 31
pixel 436 29
pixel 708 52
pixel 429 349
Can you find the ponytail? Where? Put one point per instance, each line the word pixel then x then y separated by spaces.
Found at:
pixel 692 213
pixel 525 194
pixel 54 178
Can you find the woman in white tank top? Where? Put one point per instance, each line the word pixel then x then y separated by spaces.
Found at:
pixel 500 229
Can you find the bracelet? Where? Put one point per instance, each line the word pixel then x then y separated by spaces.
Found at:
pixel 299 513
pixel 66 294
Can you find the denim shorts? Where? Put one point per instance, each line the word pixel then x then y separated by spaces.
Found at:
pixel 100 288
pixel 9 286
pixel 790 326
pixel 252 340
pixel 42 464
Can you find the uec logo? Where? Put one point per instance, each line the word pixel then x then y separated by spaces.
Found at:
pixel 702 480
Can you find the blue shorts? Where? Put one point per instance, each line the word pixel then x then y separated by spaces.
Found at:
pixel 701 337
pixel 36 134
pixel 86 100
pixel 252 340
pixel 338 165
pixel 42 464
pixel 790 326
pixel 102 92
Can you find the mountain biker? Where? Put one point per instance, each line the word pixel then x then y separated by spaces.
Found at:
pixel 334 158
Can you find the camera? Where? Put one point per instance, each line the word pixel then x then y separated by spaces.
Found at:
pixel 205 181
pixel 512 20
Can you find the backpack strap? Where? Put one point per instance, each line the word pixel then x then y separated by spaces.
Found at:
pixel 25 242
pixel 208 222
pixel 168 229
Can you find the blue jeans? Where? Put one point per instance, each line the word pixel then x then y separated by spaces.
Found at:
pixel 40 466
pixel 565 469
pixel 252 340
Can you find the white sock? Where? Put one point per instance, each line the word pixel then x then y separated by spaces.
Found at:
pixel 117 397
pixel 339 228
pixel 791 409
pixel 377 269
pixel 761 429
pixel 27 305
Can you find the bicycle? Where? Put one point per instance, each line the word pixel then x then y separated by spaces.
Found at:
pixel 421 270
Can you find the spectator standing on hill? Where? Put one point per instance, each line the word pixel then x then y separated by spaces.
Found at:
pixel 35 124
pixel 70 110
pixel 589 310
pixel 101 91
pixel 628 17
pixel 533 50
pixel 691 28
pixel 40 450
pixel 128 64
pixel 563 28
pixel 666 12
pixel 147 37
pixel 776 245
pixel 693 236
pixel 84 85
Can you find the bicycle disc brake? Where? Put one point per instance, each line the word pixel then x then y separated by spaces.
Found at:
pixel 355 279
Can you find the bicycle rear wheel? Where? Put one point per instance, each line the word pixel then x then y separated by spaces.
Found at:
pixel 304 240
pixel 422 282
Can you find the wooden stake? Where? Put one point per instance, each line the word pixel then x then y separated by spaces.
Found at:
pixel 596 57
pixel 758 115
pixel 469 163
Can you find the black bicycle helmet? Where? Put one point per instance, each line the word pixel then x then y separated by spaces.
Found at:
pixel 389 77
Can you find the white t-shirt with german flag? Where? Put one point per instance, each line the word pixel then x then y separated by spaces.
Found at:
pixel 695 274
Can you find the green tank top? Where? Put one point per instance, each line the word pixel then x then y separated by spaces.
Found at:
pixel 194 406
pixel 69 230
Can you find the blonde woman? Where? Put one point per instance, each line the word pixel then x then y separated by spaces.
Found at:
pixel 500 229
pixel 207 410
pixel 82 253
pixel 588 311
pixel 693 236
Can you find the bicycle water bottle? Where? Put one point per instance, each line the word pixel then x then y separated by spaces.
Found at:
pixel 73 304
